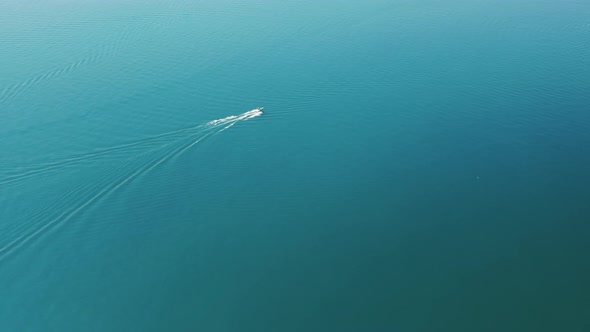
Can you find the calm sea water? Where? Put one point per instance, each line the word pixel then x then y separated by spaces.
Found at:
pixel 419 166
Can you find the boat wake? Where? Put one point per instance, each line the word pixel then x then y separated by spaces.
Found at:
pixel 123 164
pixel 234 118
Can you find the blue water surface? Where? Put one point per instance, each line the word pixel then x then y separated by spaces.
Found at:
pixel 419 165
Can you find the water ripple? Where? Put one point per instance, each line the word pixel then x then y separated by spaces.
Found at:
pixel 126 162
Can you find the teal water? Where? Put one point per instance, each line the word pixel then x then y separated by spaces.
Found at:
pixel 419 166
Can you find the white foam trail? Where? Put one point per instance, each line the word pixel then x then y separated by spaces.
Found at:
pixel 219 121
pixel 112 185
pixel 59 165
pixel 234 118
